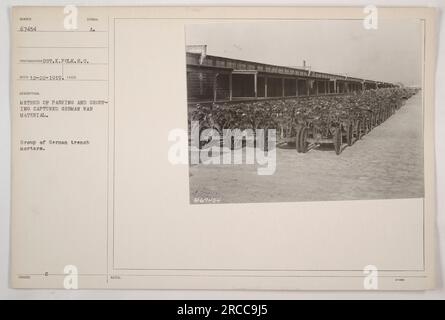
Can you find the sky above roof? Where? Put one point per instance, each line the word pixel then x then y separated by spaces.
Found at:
pixel 392 53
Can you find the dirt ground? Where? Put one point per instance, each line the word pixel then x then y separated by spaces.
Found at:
pixel 386 164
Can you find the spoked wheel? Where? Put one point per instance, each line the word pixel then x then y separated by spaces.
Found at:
pixel 358 130
pixel 368 125
pixel 301 143
pixel 338 140
pixel 349 135
pixel 297 137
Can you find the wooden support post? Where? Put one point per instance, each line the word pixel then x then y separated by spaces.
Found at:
pixel 265 87
pixel 215 87
pixel 255 84
pixel 296 87
pixel 282 87
pixel 230 87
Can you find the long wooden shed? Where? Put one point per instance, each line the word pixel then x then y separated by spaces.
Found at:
pixel 212 78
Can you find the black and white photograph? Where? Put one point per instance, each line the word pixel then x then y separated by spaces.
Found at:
pixel 236 152
pixel 305 110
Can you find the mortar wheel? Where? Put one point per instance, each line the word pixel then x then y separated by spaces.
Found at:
pixel 300 139
pixel 338 140
pixel 358 130
pixel 368 126
pixel 297 137
pixel 349 134
pixel 303 143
